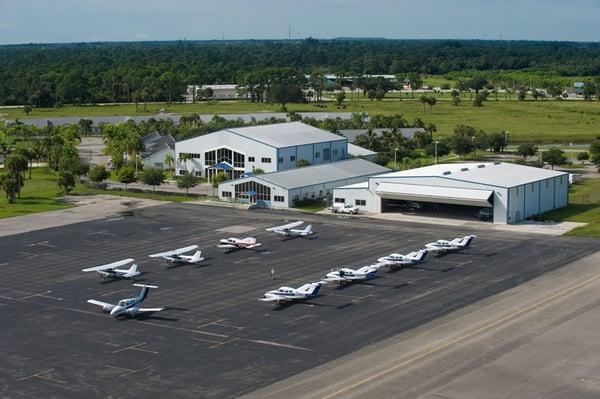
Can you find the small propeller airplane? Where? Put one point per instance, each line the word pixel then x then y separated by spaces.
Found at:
pixel 412 258
pixel 235 243
pixel 111 270
pixel 288 294
pixel 450 246
pixel 128 307
pixel 176 256
pixel 346 275
pixel 287 230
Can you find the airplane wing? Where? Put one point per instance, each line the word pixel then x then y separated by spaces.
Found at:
pixel 108 266
pixel 254 245
pixel 226 246
pixel 286 226
pixel 105 305
pixel 332 279
pixel 272 299
pixel 142 310
pixel 174 252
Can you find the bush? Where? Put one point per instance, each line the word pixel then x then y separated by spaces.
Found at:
pixel 219 178
pixel 187 181
pixel 153 177
pixel 126 175
pixel 98 174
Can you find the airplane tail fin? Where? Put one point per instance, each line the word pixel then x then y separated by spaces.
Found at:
pixel 315 289
pixel 421 255
pixel 197 256
pixel 307 230
pixel 467 240
pixel 132 269
pixel 144 292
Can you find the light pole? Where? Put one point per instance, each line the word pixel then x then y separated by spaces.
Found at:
pixel 395 157
pixel 435 146
pixel 473 144
pixel 505 139
pixel 572 153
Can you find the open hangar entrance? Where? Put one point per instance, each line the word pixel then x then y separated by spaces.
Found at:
pixel 447 202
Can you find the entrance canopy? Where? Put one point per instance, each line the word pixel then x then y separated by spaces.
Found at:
pixel 222 166
pixel 443 195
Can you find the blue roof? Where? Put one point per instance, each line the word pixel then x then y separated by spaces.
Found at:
pixel 223 166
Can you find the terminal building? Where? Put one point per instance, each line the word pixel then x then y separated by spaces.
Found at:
pixel 507 192
pixel 283 189
pixel 271 148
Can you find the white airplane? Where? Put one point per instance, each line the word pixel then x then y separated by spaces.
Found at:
pixel 412 258
pixel 110 270
pixel 287 230
pixel 450 246
pixel 236 243
pixel 176 256
pixel 346 275
pixel 128 307
pixel 287 294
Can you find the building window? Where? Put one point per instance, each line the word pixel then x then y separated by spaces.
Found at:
pixel 265 160
pixel 293 158
pixel 312 195
pixel 360 202
pixel 210 158
pixel 238 160
pixel 317 154
pixel 278 198
pixel 182 172
pixel 252 190
pixel 198 173
pixel 335 151
pixel 280 159
pixel 326 154
pixel 321 194
pixel 226 194
pixel 340 200
pixel 250 159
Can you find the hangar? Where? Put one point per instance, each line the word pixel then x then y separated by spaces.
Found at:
pixel 282 189
pixel 500 192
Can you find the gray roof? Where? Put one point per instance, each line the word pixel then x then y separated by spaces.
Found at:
pixel 503 174
pixel 358 151
pixel 280 135
pixel 407 132
pixel 319 174
pixel 160 144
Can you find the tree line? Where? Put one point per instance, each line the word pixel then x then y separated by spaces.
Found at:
pixel 51 75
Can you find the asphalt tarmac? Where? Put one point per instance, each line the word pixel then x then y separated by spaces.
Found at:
pixel 215 339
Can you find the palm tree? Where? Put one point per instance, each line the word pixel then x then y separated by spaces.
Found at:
pixel 169 160
pixel 184 157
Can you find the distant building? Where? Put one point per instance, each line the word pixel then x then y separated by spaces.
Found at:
pixel 156 148
pixel 576 90
pixel 219 92
pixel 355 151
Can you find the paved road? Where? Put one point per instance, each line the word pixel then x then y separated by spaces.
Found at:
pixel 215 339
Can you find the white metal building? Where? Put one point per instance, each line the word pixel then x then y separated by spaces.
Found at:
pixel 510 191
pixel 281 189
pixel 272 148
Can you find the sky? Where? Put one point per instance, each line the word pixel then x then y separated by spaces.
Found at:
pixel 52 21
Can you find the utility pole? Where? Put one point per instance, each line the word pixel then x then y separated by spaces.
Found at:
pixel 436 156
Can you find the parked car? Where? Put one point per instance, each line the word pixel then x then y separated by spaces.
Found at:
pixel 346 208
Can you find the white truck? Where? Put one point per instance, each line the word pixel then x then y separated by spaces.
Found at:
pixel 346 208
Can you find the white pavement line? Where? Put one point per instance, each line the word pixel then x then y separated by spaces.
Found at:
pixel 278 344
pixel 224 343
pixel 136 347
pixel 42 374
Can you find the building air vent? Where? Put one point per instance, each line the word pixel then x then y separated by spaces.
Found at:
pixel 447 173
pixel 497 163
pixel 481 166
pixel 464 169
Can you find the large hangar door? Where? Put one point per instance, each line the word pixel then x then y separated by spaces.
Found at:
pixel 436 201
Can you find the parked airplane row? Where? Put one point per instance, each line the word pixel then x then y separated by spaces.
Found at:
pixel 347 275
pixel 131 306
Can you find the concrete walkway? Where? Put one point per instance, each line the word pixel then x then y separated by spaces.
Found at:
pixel 89 207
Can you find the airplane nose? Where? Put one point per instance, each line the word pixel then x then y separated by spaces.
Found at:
pixel 115 311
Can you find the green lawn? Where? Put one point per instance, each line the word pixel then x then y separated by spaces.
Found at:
pixel 38 195
pixel 83 190
pixel 584 206
pixel 527 121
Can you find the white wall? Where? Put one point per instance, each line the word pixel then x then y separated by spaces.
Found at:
pixel 243 145
pixel 350 195
pixel 155 159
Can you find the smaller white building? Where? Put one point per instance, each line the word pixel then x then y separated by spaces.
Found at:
pixel 220 92
pixel 282 189
pixel 505 192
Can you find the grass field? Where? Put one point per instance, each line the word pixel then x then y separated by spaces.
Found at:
pixel 584 206
pixel 528 121
pixel 38 195
pixel 83 190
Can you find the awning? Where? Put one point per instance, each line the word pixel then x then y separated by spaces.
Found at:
pixel 438 194
pixel 223 166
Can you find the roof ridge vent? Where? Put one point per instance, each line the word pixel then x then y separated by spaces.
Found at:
pixel 447 173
